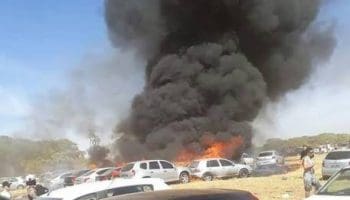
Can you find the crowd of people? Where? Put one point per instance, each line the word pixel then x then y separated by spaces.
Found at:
pixel 33 189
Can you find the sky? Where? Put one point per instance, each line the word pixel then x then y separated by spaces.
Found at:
pixel 41 42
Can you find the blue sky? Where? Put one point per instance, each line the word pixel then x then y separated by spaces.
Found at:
pixel 41 41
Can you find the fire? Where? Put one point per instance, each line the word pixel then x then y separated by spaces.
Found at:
pixel 224 149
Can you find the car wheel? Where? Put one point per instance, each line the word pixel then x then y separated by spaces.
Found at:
pixel 208 177
pixel 243 173
pixel 184 177
pixel 20 187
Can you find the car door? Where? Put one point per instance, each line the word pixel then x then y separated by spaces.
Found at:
pixel 227 168
pixel 169 171
pixel 214 168
pixel 155 170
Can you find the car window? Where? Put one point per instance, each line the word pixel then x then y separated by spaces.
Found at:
pixel 129 189
pixel 92 196
pixel 263 154
pixel 88 173
pixel 225 163
pixel 154 165
pixel 128 167
pixel 213 163
pixel 166 165
pixel 143 165
pixel 338 155
pixel 339 185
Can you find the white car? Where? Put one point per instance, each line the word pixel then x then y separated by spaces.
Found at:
pixel 156 169
pixel 90 176
pixel 269 157
pixel 105 189
pixel 208 169
pixel 58 181
pixel 335 161
pixel 336 188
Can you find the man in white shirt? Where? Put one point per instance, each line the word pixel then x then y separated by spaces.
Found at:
pixel 310 179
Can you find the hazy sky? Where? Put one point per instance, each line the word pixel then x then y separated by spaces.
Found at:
pixel 42 41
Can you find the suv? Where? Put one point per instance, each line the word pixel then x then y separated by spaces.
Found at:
pixel 335 161
pixel 269 157
pixel 208 169
pixel 156 169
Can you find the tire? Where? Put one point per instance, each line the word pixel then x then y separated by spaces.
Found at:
pixel 208 177
pixel 20 187
pixel 184 177
pixel 243 173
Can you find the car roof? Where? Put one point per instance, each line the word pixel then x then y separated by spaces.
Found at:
pixel 88 188
pixel 183 194
pixel 340 150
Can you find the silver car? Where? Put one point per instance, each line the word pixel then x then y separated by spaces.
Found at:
pixel 156 169
pixel 269 157
pixel 335 161
pixel 208 169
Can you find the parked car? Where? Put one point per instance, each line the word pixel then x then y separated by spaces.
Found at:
pixel 336 188
pixel 70 180
pixel 156 169
pixel 334 161
pixel 90 176
pixel 116 172
pixel 270 169
pixel 269 157
pixel 208 169
pixel 107 175
pixel 58 181
pixel 105 189
pixel 17 183
pixel 190 194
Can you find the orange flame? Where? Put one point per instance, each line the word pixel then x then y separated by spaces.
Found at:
pixel 224 149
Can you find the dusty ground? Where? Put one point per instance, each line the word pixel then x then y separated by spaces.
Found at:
pixel 288 186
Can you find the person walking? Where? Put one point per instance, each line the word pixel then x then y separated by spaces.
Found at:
pixel 5 193
pixel 309 176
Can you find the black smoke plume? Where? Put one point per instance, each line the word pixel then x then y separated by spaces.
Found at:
pixel 212 64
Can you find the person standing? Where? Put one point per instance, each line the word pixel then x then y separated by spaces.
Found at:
pixel 5 194
pixel 309 176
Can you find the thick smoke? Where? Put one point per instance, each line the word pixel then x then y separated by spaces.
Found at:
pixel 211 66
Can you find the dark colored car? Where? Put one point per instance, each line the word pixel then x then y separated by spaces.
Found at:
pixel 209 194
pixel 270 169
pixel 69 180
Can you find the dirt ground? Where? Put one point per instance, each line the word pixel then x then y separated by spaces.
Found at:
pixel 288 186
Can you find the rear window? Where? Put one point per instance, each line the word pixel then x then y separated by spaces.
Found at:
pixel 264 154
pixel 128 167
pixel 194 164
pixel 338 155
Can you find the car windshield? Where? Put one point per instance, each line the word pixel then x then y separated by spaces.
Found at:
pixel 339 185
pixel 338 155
pixel 263 154
pixel 128 167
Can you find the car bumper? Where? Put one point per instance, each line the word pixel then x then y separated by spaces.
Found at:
pixel 266 162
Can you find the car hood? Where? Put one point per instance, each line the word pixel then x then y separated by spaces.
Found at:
pixel 327 197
